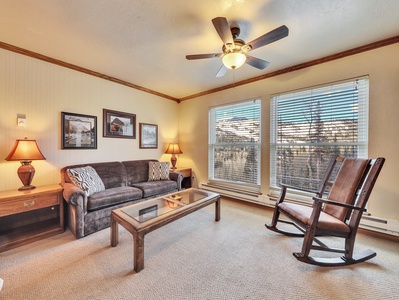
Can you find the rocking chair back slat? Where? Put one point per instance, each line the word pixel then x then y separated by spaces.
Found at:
pixel 371 176
pixel 345 186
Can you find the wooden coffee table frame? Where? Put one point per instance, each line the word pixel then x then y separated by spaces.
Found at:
pixel 139 230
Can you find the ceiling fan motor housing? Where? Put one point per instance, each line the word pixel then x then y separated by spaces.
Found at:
pixel 235 32
pixel 239 46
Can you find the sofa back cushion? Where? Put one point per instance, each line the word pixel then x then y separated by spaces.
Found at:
pixel 112 174
pixel 137 170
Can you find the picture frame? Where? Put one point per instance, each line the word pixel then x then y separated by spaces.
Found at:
pixel 148 134
pixel 117 124
pixel 148 213
pixel 78 131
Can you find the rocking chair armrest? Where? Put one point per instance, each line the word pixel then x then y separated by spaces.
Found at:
pixel 283 191
pixel 291 187
pixel 327 201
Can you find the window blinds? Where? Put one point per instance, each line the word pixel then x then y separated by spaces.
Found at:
pixel 309 126
pixel 234 143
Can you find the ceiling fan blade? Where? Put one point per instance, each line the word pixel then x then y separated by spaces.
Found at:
pixel 222 71
pixel 223 29
pixel 201 56
pixel 270 37
pixel 257 62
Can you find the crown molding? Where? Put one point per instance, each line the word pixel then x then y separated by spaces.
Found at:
pixel 357 50
pixel 81 69
pixel 314 62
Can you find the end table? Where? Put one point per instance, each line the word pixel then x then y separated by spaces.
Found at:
pixel 30 215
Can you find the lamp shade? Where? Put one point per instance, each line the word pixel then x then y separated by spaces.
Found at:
pixel 25 150
pixel 173 149
pixel 234 60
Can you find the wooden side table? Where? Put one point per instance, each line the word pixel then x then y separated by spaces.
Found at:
pixel 187 175
pixel 30 215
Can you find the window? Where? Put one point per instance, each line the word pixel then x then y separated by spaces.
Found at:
pixel 234 143
pixel 308 127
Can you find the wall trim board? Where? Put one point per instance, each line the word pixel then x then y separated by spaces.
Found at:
pixel 81 69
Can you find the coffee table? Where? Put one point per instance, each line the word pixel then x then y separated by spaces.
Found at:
pixel 143 217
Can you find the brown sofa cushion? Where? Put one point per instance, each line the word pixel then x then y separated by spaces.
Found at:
pixel 113 196
pixel 151 188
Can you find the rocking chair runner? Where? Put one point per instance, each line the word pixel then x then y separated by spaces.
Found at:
pixel 337 215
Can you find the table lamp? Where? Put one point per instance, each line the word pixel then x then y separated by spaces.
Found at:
pixel 25 151
pixel 173 149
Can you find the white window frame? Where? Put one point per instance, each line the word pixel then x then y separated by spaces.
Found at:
pixel 361 145
pixel 212 144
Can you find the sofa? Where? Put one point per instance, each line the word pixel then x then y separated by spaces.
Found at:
pixel 111 185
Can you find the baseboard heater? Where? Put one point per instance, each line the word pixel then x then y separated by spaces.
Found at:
pixel 231 192
pixel 380 225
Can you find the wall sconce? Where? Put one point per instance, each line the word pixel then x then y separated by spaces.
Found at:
pixel 25 151
pixel 173 149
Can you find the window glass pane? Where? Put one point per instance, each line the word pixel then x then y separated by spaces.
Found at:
pixel 234 143
pixel 310 126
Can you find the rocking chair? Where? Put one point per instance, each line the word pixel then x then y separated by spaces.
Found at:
pixel 337 215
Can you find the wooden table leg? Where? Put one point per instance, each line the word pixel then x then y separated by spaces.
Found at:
pixel 138 254
pixel 114 231
pixel 217 210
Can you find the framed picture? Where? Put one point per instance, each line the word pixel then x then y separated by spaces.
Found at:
pixel 148 213
pixel 148 136
pixel 119 124
pixel 78 131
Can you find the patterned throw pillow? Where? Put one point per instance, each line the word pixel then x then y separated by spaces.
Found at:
pixel 158 171
pixel 87 179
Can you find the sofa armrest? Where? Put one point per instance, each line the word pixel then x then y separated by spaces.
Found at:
pixel 77 208
pixel 176 177
pixel 73 194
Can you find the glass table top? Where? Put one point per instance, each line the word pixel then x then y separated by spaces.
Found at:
pixel 150 209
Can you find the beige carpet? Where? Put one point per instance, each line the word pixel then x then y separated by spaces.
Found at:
pixel 194 258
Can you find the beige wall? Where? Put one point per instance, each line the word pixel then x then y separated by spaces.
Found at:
pixel 382 66
pixel 42 91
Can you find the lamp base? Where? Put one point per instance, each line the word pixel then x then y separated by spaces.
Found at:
pixel 26 172
pixel 26 187
pixel 173 160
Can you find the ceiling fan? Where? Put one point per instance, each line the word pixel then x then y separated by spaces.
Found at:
pixel 234 50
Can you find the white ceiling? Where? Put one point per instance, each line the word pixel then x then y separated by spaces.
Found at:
pixel 145 42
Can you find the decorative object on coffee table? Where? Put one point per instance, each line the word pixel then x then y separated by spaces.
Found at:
pixel 173 149
pixel 25 151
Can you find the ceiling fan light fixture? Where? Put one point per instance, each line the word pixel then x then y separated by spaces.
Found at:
pixel 234 60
